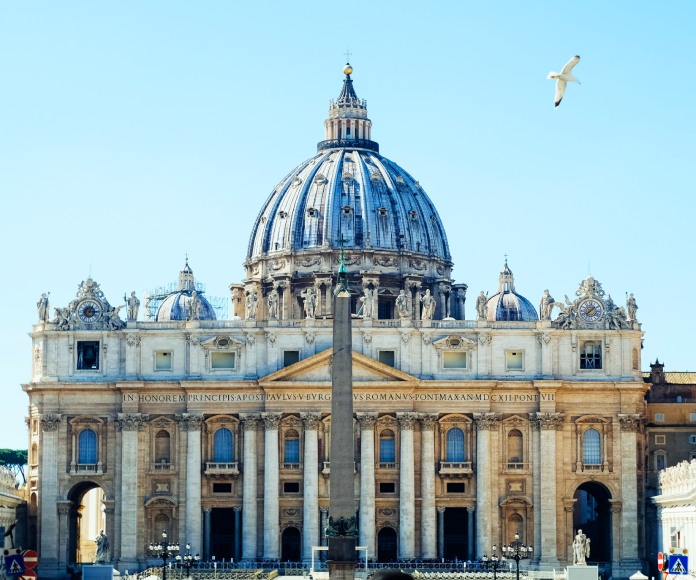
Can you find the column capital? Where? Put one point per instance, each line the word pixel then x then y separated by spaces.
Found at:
pixel 471 509
pixel 406 420
pixel 250 421
pixel 237 508
pixel 271 420
pixel 428 421
pixel 366 420
pixel 487 421
pixel 630 422
pixel 547 421
pixel 50 422
pixel 131 421
pixel 311 421
pixel 188 422
pixel 440 510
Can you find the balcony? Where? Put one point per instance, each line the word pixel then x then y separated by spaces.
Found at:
pixel 162 466
pixel 227 468
pixel 291 466
pixel 593 467
pixel 455 468
pixel 514 466
pixel 86 469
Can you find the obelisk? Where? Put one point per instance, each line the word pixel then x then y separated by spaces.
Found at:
pixel 342 529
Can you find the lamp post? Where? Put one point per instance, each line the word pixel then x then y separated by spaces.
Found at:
pixel 164 550
pixel 187 560
pixel 517 551
pixel 494 562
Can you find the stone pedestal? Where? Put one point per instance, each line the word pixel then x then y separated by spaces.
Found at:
pixel 582 572
pixel 342 558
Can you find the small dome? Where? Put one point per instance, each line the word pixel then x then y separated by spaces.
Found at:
pixel 180 304
pixel 177 306
pixel 508 304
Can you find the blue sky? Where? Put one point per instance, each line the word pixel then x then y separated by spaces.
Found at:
pixel 133 134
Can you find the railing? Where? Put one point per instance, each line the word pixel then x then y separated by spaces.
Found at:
pixel 162 466
pixel 86 469
pixel 387 465
pixel 455 467
pixel 515 466
pixel 222 468
pixel 598 467
pixel 293 466
pixel 359 143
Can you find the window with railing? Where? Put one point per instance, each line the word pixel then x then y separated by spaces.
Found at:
pixel 591 449
pixel 455 445
pixel 223 446
pixel 291 451
pixel 387 449
pixel 515 450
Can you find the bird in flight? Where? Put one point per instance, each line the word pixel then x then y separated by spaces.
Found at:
pixel 563 78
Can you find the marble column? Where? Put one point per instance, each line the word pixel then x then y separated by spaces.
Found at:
pixel 310 517
pixel 428 514
pixel 630 426
pixel 271 503
pixel 407 496
pixel 130 424
pixel 549 424
pixel 191 425
pixel 249 491
pixel 324 518
pixel 48 489
pixel 485 424
pixel 366 530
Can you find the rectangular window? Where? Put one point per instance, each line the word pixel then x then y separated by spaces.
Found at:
pixel 660 439
pixel 659 417
pixel 87 355
pixel 387 487
pixel 387 357
pixel 591 355
pixel 163 361
pixel 222 488
pixel 692 439
pixel 292 451
pixel 454 360
pixel 514 360
pixel 386 451
pixel 290 357
pixel 222 360
pixel 692 417
pixel 291 487
pixel 660 462
pixel 455 487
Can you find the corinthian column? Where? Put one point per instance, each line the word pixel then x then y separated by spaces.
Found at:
pixel 407 495
pixel 191 425
pixel 130 424
pixel 48 487
pixel 249 479
pixel 549 424
pixel 630 427
pixel 310 520
pixel 271 505
pixel 485 423
pixel 428 514
pixel 366 529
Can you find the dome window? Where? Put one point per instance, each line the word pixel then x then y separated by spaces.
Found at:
pixel 347 210
pixel 320 179
pixel 297 181
pixel 382 211
pixel 282 214
pixel 313 212
pixel 375 176
pixel 413 214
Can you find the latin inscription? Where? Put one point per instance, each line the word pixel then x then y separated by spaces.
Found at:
pixel 319 397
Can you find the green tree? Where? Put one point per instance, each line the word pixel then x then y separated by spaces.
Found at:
pixel 15 460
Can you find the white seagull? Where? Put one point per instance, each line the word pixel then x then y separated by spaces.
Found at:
pixel 564 77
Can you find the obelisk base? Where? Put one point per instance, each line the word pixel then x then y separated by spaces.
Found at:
pixel 342 557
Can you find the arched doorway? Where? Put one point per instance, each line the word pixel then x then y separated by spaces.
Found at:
pixel 85 520
pixel 291 545
pixel 592 515
pixel 386 545
pixel 456 534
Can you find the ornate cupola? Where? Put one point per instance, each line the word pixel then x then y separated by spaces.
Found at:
pixel 348 125
pixel 508 304
pixel 186 280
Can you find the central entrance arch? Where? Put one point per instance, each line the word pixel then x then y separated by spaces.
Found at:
pixel 291 547
pixel 386 545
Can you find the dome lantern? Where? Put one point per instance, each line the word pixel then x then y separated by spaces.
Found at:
pixel 507 304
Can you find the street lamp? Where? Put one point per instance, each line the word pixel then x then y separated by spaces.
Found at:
pixel 494 563
pixel 517 551
pixel 187 560
pixel 164 550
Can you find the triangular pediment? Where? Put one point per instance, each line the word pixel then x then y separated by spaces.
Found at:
pixel 317 370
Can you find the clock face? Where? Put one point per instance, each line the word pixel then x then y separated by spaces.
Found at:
pixel 89 311
pixel 591 310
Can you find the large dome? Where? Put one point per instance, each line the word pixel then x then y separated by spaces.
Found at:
pixel 348 199
pixel 186 302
